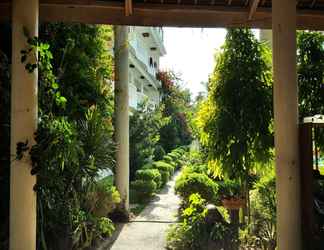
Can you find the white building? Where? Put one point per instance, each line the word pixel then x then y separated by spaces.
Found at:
pixel 146 48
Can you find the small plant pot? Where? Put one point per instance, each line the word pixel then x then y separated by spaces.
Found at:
pixel 233 203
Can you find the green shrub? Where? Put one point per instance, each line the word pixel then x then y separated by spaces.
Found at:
pixel 163 166
pixel 148 175
pixel 144 189
pixel 171 161
pixel 229 188
pixel 148 166
pixel 165 176
pixel 189 183
pixel 159 153
pixel 196 168
pixel 192 233
pixel 175 155
pixel 168 159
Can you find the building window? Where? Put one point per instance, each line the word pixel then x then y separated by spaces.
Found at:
pixel 155 65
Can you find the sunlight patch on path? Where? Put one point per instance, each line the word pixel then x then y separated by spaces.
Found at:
pixel 148 230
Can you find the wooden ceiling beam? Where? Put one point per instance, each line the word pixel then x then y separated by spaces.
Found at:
pixel 252 9
pixel 163 15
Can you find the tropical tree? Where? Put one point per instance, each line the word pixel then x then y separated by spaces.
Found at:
pixel 235 120
pixel 177 106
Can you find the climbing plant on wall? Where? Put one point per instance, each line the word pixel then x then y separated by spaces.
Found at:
pixel 74 137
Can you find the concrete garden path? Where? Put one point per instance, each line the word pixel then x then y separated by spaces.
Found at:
pixel 148 230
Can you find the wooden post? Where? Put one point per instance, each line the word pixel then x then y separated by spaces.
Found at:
pixel 122 113
pixel 286 125
pixel 23 126
pixel 307 198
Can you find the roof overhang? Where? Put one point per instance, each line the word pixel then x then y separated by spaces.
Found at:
pixel 163 13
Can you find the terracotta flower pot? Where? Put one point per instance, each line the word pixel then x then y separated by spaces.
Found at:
pixel 233 203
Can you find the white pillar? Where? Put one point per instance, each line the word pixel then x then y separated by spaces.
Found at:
pixel 286 124
pixel 23 126
pixel 122 113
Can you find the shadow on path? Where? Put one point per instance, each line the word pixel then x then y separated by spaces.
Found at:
pixel 148 230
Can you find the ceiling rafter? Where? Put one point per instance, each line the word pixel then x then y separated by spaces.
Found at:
pixel 313 4
pixel 252 9
pixel 128 7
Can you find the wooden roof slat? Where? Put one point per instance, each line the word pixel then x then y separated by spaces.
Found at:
pixel 252 9
pixel 128 7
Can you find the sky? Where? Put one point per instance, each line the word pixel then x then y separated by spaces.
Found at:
pixel 190 52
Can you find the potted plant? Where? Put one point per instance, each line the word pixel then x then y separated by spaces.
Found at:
pixel 231 195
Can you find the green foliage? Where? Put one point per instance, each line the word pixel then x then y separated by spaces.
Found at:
pixel 234 122
pixel 191 232
pixel 82 66
pixel 145 124
pixel 159 153
pixel 74 137
pixel 144 188
pixel 102 199
pixel 310 69
pixel 229 188
pixel 190 183
pixel 196 168
pixel 194 232
pixel 262 230
pixel 310 61
pixel 163 166
pixel 148 175
pixel 165 176
pixel 167 158
pixel 177 106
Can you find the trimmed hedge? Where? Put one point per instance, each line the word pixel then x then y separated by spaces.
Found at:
pixel 165 176
pixel 159 153
pixel 189 183
pixel 148 175
pixel 144 189
pixel 164 166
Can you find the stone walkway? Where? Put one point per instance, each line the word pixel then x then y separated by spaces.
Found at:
pixel 148 230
